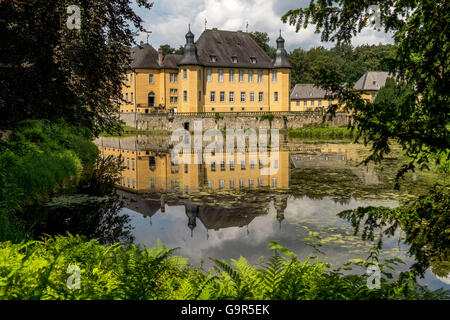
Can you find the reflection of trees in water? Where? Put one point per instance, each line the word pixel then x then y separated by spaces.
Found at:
pixel 316 184
pixel 92 210
pixel 425 223
pixel 95 218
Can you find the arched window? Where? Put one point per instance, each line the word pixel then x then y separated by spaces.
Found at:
pixel 151 99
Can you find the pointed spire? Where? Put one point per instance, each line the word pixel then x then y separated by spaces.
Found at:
pixel 281 57
pixel 190 56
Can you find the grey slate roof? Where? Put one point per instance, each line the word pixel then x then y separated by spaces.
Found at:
pixel 171 61
pixel 307 91
pixel 372 80
pixel 226 44
pixel 223 45
pixel 144 56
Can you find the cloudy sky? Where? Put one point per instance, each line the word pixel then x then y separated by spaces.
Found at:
pixel 169 20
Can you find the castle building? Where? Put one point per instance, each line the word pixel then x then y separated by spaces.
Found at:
pixel 370 82
pixel 308 97
pixel 223 71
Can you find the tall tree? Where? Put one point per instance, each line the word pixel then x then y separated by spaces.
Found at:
pixel 263 40
pixel 53 67
pixel 421 59
pixel 167 49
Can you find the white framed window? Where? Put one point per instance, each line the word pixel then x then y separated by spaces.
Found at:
pixel 222 96
pixel 231 75
pixel 242 96
pixel 209 75
pixel 231 165
pixel 312 103
pixel 274 75
pixel 185 96
pixel 185 74
pixel 131 97
pixel 275 96
pixel 298 103
pixel 260 76
pixel 261 97
pixel 243 164
pixel 212 96
pixel 320 103
pixel 131 78
pixel 252 96
pixel 126 97
pixel 173 77
pixel 250 76
pixel 232 184
pixel 274 182
pixel 305 103
pixel 220 75
pixel 231 96
pixel 241 75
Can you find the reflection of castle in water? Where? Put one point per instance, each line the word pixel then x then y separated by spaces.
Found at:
pixel 213 216
pixel 149 172
pixel 148 168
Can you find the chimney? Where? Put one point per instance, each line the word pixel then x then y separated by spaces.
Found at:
pixel 160 56
pixel 214 29
pixel 141 44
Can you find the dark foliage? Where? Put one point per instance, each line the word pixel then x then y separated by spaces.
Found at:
pixel 49 71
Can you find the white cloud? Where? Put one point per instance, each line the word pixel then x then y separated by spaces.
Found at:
pixel 169 20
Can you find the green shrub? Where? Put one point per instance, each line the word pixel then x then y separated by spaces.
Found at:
pixel 38 270
pixel 39 159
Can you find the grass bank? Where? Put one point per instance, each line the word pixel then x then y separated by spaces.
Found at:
pixel 321 131
pixel 37 160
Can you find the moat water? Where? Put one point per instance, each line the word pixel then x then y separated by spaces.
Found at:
pixel 225 211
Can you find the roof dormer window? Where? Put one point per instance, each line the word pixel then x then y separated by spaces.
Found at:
pixel 310 94
pixel 253 60
pixel 374 83
pixel 234 59
pixel 213 58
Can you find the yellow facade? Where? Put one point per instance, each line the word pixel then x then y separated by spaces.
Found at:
pixel 200 93
pixel 311 104
pixel 144 83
